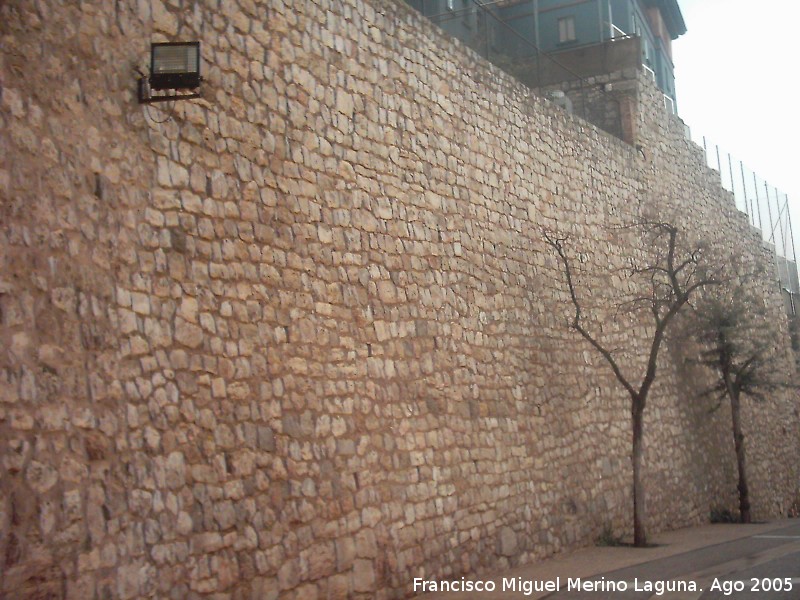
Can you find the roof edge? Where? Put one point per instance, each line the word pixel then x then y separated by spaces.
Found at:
pixel 673 18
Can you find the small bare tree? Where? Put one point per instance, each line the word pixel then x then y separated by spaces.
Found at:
pixel 739 348
pixel 669 279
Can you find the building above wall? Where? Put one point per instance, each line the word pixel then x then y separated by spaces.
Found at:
pixel 532 36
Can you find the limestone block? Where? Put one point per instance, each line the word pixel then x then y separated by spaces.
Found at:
pixel 339 587
pixel 40 476
pixel 163 20
pixel 65 299
pixel 188 309
pixel 321 561
pixel 187 333
pixel 21 420
pixel 224 515
pixel 366 545
pixel 14 103
pixel 506 542
pixel 140 303
pixel 16 455
pixel 175 470
pixel 205 543
pixel 289 575
pixel 345 553
pixel 363 576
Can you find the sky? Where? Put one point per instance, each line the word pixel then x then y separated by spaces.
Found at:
pixel 736 83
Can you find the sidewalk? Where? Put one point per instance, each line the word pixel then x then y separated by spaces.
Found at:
pixel 588 562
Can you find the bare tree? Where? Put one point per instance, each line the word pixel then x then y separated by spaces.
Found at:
pixel 739 348
pixel 669 280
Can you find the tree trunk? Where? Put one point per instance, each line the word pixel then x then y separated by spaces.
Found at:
pixel 738 442
pixel 639 533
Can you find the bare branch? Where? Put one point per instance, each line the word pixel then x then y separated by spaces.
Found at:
pixel 558 245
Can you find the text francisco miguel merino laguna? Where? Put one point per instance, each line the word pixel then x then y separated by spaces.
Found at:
pixel 529 586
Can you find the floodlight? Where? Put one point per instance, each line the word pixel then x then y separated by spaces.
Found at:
pixel 173 66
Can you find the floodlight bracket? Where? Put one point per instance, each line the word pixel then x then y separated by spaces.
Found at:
pixel 145 94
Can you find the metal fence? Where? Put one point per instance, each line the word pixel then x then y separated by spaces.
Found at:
pixel 767 209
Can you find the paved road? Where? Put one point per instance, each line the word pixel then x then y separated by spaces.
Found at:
pixel 750 568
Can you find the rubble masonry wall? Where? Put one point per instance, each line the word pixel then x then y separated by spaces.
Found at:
pixel 303 338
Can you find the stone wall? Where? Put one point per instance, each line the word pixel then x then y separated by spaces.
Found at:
pixel 303 338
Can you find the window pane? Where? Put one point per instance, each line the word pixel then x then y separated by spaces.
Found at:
pixel 566 29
